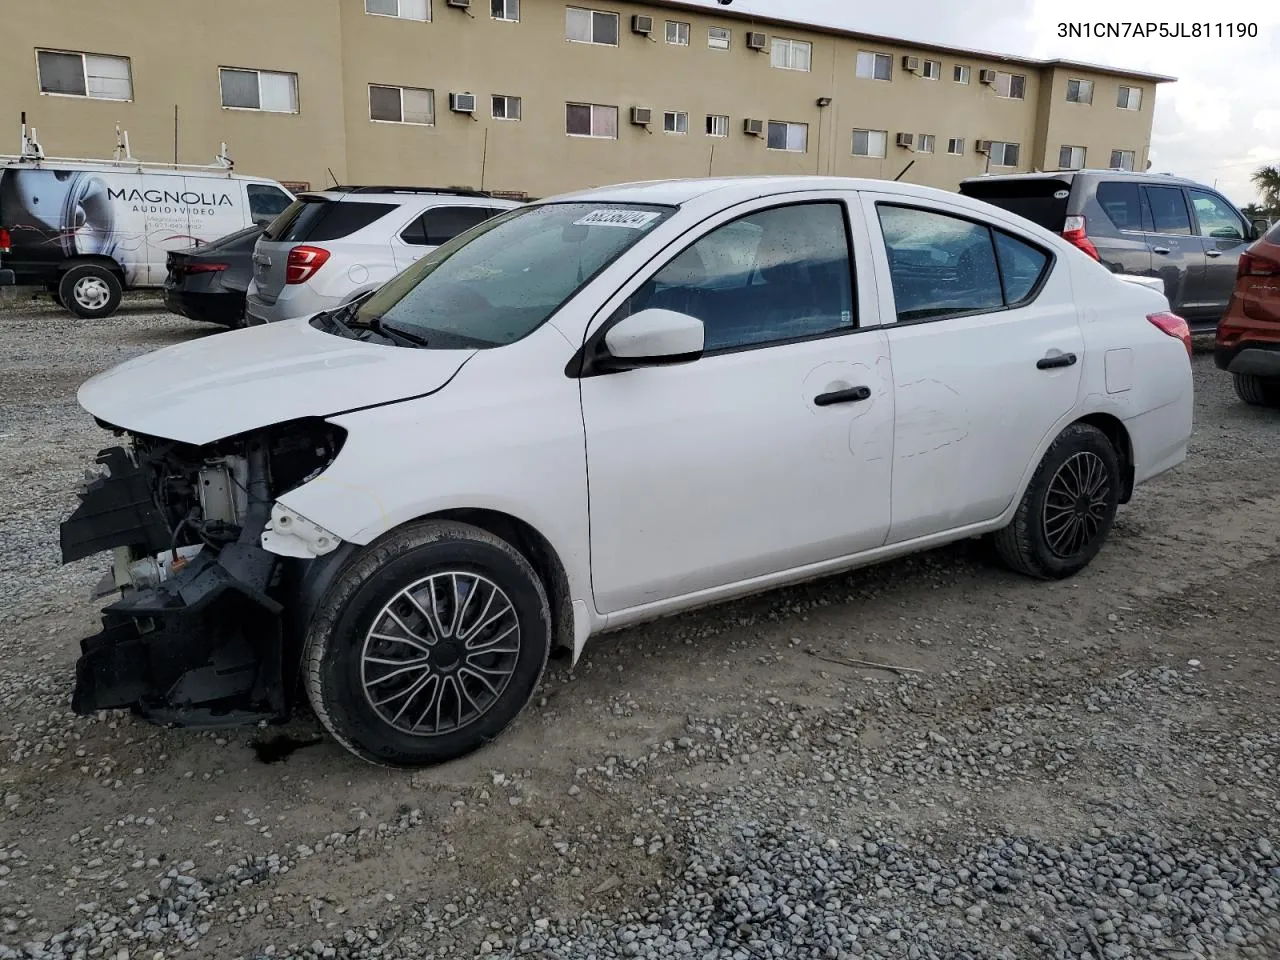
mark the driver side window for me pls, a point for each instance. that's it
(772, 276)
(1215, 217)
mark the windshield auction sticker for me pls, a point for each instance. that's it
(634, 219)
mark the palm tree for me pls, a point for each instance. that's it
(1267, 180)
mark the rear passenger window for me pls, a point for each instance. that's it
(1021, 267)
(1120, 202)
(441, 224)
(939, 265)
(769, 277)
(1168, 210)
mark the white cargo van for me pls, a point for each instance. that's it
(86, 230)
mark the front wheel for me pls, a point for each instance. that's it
(1256, 391)
(90, 291)
(1068, 509)
(428, 645)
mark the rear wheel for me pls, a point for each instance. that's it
(90, 291)
(1258, 391)
(428, 645)
(1068, 509)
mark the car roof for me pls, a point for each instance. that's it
(729, 190)
(1145, 176)
(396, 194)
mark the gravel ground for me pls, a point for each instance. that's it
(1079, 769)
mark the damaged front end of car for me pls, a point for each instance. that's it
(200, 635)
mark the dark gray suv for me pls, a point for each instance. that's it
(1147, 224)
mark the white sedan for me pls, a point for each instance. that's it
(595, 410)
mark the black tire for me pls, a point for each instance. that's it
(1258, 391)
(1059, 542)
(89, 291)
(359, 600)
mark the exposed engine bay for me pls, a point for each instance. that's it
(201, 634)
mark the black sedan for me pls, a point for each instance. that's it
(208, 283)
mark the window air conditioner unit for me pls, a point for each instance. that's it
(983, 146)
(986, 76)
(642, 25)
(906, 140)
(911, 64)
(757, 41)
(459, 4)
(462, 102)
(753, 128)
(642, 116)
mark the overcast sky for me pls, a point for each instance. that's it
(1220, 121)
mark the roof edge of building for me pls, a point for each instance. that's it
(764, 19)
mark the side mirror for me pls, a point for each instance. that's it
(1258, 228)
(653, 338)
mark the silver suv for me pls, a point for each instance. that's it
(330, 247)
(1143, 224)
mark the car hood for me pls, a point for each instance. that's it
(222, 385)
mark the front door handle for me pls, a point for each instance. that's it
(852, 395)
(1213, 253)
(1161, 250)
(1058, 360)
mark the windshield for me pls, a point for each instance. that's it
(1041, 200)
(501, 280)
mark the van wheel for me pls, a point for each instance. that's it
(1068, 509)
(90, 291)
(1257, 391)
(428, 645)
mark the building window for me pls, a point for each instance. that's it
(1011, 86)
(1080, 91)
(925, 143)
(719, 38)
(678, 33)
(591, 120)
(259, 90)
(791, 54)
(1004, 154)
(870, 143)
(1070, 158)
(506, 108)
(404, 9)
(717, 125)
(401, 104)
(955, 146)
(1122, 159)
(1130, 98)
(506, 10)
(931, 69)
(788, 136)
(874, 66)
(84, 75)
(675, 121)
(960, 73)
(591, 26)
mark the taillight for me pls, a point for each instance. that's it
(199, 267)
(1253, 265)
(1073, 232)
(303, 262)
(4, 240)
(1174, 326)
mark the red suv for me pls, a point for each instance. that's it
(1248, 344)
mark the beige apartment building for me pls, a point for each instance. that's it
(538, 97)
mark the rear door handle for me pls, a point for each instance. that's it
(1161, 250)
(1059, 360)
(852, 395)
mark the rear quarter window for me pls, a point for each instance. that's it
(1122, 205)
